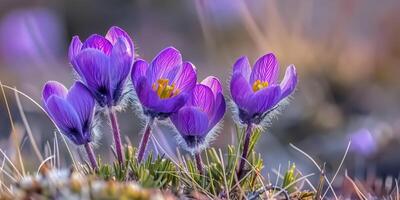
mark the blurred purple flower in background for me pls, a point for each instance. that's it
(257, 91)
(31, 36)
(204, 109)
(104, 63)
(362, 142)
(163, 86)
(72, 111)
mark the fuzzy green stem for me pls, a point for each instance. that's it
(91, 156)
(199, 162)
(245, 152)
(145, 140)
(116, 134)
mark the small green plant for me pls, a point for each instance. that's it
(290, 178)
(218, 178)
(158, 172)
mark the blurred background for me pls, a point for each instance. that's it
(347, 53)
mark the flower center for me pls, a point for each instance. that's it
(258, 85)
(164, 90)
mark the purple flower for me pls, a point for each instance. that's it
(203, 110)
(72, 111)
(256, 90)
(163, 85)
(363, 142)
(30, 37)
(103, 63)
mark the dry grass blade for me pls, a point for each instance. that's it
(237, 184)
(3, 171)
(11, 163)
(321, 183)
(339, 167)
(13, 133)
(44, 111)
(307, 181)
(319, 168)
(195, 185)
(9, 192)
(223, 171)
(57, 150)
(278, 175)
(161, 139)
(358, 191)
(164, 151)
(397, 189)
(27, 127)
(43, 163)
(291, 184)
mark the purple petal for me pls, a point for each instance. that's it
(138, 70)
(83, 102)
(203, 98)
(115, 33)
(93, 66)
(190, 121)
(172, 104)
(213, 83)
(263, 100)
(74, 48)
(265, 69)
(98, 42)
(242, 65)
(289, 82)
(187, 78)
(120, 66)
(149, 99)
(53, 88)
(363, 142)
(64, 116)
(165, 65)
(240, 89)
(219, 110)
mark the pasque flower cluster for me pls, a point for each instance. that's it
(165, 88)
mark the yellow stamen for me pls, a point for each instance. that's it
(163, 89)
(258, 85)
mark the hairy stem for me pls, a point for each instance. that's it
(116, 134)
(199, 162)
(245, 152)
(145, 140)
(91, 156)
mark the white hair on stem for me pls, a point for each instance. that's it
(210, 137)
(96, 132)
(275, 112)
(271, 115)
(126, 96)
(138, 108)
(235, 112)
